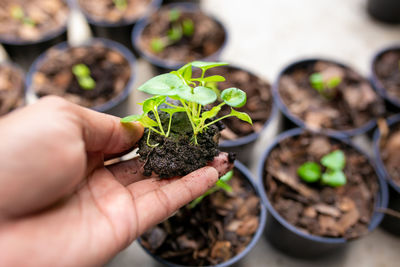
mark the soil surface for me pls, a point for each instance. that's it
(107, 11)
(207, 38)
(46, 16)
(354, 105)
(214, 231)
(387, 69)
(313, 208)
(258, 106)
(390, 147)
(109, 69)
(177, 155)
(11, 88)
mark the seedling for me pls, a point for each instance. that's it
(18, 13)
(82, 74)
(121, 4)
(178, 29)
(221, 184)
(192, 95)
(334, 163)
(325, 88)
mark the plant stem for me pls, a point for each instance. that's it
(158, 121)
(169, 124)
(210, 123)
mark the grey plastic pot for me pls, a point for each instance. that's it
(389, 223)
(163, 65)
(288, 238)
(117, 105)
(236, 259)
(300, 123)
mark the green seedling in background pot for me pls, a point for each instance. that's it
(82, 74)
(178, 29)
(334, 176)
(17, 12)
(189, 95)
(120, 4)
(221, 184)
(325, 88)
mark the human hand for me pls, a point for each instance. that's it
(59, 204)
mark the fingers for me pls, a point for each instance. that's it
(159, 204)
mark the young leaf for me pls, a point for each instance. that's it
(131, 118)
(164, 84)
(186, 71)
(188, 27)
(317, 81)
(146, 121)
(86, 83)
(121, 4)
(172, 111)
(174, 14)
(152, 103)
(157, 45)
(207, 65)
(310, 172)
(333, 82)
(174, 34)
(334, 178)
(234, 97)
(211, 113)
(241, 115)
(80, 70)
(214, 78)
(223, 185)
(335, 160)
(227, 176)
(201, 95)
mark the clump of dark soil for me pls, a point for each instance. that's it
(354, 105)
(107, 11)
(11, 88)
(47, 17)
(387, 69)
(177, 155)
(109, 68)
(214, 231)
(258, 105)
(316, 209)
(207, 38)
(389, 148)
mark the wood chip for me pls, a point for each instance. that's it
(327, 210)
(346, 204)
(310, 212)
(221, 250)
(348, 220)
(248, 226)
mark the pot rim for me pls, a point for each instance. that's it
(393, 120)
(263, 216)
(126, 53)
(376, 84)
(380, 202)
(170, 64)
(369, 125)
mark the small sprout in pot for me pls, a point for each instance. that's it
(82, 74)
(120, 4)
(326, 88)
(179, 28)
(334, 176)
(18, 13)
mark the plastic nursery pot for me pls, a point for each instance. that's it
(118, 104)
(384, 10)
(298, 243)
(23, 52)
(243, 145)
(389, 223)
(392, 102)
(299, 122)
(119, 31)
(237, 258)
(165, 65)
(12, 87)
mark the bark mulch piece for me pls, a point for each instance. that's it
(389, 148)
(11, 88)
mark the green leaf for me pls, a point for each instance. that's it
(207, 65)
(224, 186)
(157, 45)
(234, 97)
(164, 84)
(214, 78)
(211, 113)
(152, 103)
(171, 111)
(121, 4)
(201, 95)
(310, 172)
(334, 82)
(241, 115)
(335, 160)
(334, 178)
(227, 176)
(186, 71)
(87, 83)
(146, 121)
(188, 27)
(80, 70)
(17, 12)
(317, 81)
(131, 118)
(174, 34)
(174, 14)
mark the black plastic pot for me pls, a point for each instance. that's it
(294, 120)
(384, 10)
(119, 31)
(288, 238)
(392, 103)
(236, 259)
(389, 223)
(117, 105)
(163, 65)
